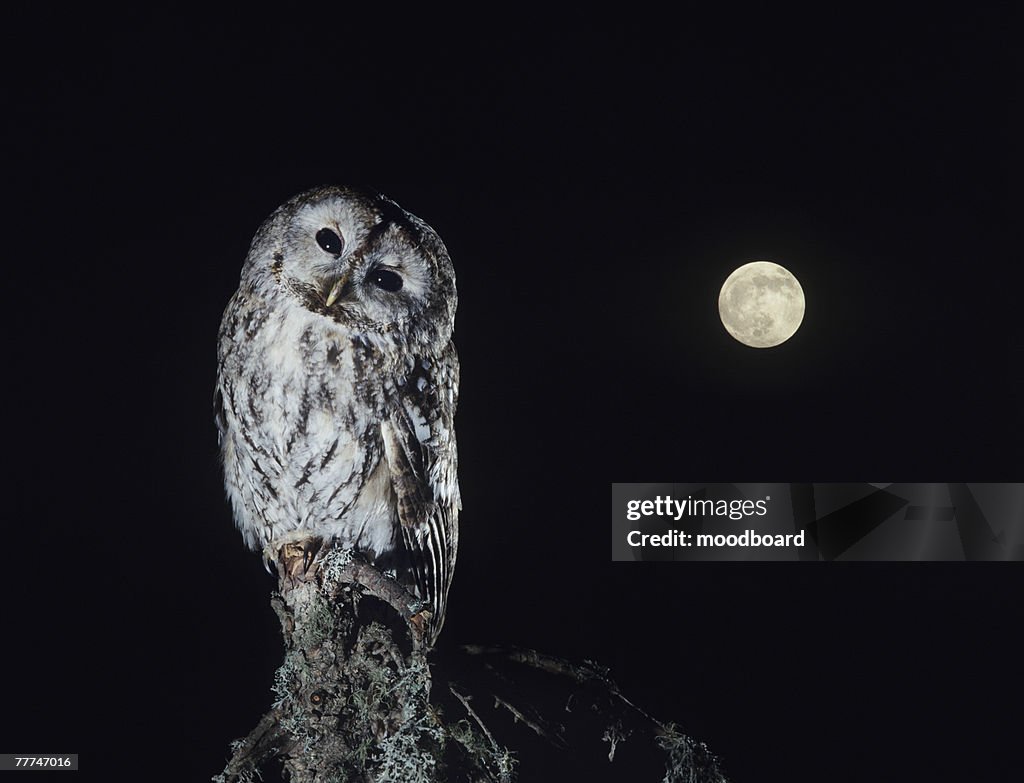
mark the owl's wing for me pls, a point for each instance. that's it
(420, 448)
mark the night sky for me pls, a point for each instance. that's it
(595, 181)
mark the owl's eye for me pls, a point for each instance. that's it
(329, 241)
(386, 280)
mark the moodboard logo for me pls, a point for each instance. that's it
(834, 521)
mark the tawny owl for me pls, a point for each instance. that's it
(337, 382)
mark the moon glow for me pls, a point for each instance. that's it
(761, 304)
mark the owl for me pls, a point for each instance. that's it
(337, 383)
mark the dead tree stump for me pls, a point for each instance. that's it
(352, 697)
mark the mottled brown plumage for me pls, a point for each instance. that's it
(337, 385)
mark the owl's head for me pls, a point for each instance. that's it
(357, 258)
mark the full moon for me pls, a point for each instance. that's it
(761, 304)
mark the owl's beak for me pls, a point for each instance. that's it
(336, 289)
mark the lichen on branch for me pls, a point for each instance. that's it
(352, 696)
(352, 699)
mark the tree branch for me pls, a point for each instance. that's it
(352, 697)
(353, 694)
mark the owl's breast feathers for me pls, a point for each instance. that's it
(320, 432)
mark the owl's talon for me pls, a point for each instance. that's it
(420, 620)
(309, 554)
(294, 552)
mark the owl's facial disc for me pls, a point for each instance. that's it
(359, 263)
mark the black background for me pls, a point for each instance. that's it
(595, 180)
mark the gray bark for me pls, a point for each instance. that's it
(353, 695)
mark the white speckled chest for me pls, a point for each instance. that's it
(304, 445)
